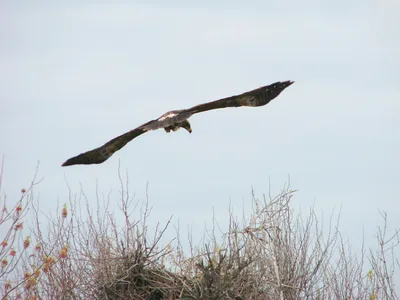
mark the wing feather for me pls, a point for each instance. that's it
(258, 97)
(101, 154)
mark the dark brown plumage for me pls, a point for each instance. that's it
(175, 119)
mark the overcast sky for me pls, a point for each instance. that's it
(74, 76)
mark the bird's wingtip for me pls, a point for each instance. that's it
(285, 84)
(71, 161)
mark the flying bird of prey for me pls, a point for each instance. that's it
(175, 119)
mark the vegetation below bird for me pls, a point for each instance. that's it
(274, 253)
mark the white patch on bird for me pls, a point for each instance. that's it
(170, 115)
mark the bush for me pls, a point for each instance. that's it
(275, 254)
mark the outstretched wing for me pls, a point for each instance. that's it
(101, 154)
(257, 97)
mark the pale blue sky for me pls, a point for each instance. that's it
(74, 76)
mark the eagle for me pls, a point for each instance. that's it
(175, 119)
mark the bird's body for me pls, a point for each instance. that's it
(175, 119)
(171, 120)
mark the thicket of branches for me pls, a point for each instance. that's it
(274, 254)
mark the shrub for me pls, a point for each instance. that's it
(274, 254)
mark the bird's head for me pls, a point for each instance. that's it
(185, 124)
